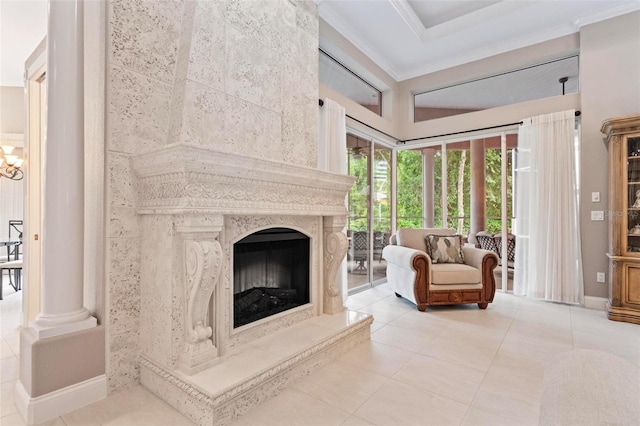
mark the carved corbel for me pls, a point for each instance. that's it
(203, 267)
(335, 250)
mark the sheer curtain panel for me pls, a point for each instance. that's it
(332, 149)
(548, 256)
(332, 155)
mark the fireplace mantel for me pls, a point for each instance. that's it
(183, 178)
(194, 203)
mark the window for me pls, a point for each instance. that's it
(459, 187)
(434, 185)
(535, 82)
(410, 189)
(341, 79)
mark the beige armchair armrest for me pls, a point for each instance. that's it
(408, 273)
(402, 256)
(475, 256)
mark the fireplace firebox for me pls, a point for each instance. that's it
(270, 274)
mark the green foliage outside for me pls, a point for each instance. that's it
(409, 198)
(410, 192)
(359, 193)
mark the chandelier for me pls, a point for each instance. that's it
(10, 164)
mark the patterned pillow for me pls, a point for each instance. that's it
(444, 248)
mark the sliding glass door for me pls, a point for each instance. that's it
(369, 203)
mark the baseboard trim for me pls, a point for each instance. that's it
(599, 303)
(46, 407)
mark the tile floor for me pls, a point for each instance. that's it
(447, 366)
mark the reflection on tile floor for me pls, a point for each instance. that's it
(446, 366)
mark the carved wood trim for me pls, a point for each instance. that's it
(421, 284)
(624, 285)
(489, 263)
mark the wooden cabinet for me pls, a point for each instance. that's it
(623, 139)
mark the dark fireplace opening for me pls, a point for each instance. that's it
(270, 274)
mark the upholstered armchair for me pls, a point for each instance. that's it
(460, 275)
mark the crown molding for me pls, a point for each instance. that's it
(496, 49)
(464, 23)
(473, 19)
(607, 13)
(345, 30)
(409, 16)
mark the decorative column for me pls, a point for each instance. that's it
(203, 259)
(335, 250)
(428, 206)
(478, 215)
(62, 305)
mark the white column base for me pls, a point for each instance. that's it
(43, 332)
(46, 407)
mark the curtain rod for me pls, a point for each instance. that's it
(321, 103)
(399, 141)
(577, 113)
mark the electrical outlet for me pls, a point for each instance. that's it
(597, 215)
(600, 277)
(595, 197)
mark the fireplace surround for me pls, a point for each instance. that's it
(198, 208)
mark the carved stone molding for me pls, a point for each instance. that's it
(184, 177)
(203, 266)
(335, 250)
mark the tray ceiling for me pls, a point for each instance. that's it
(409, 38)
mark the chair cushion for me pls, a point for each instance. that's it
(444, 248)
(454, 273)
(414, 237)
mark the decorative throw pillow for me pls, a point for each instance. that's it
(444, 248)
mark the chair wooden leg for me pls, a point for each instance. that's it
(483, 305)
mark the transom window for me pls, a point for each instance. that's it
(341, 79)
(554, 78)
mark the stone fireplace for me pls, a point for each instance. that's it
(212, 136)
(213, 223)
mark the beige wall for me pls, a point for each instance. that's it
(610, 87)
(424, 114)
(12, 112)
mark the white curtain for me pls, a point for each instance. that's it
(548, 256)
(332, 149)
(332, 156)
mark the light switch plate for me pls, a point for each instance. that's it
(597, 215)
(595, 197)
(600, 277)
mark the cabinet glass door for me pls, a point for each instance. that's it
(633, 195)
